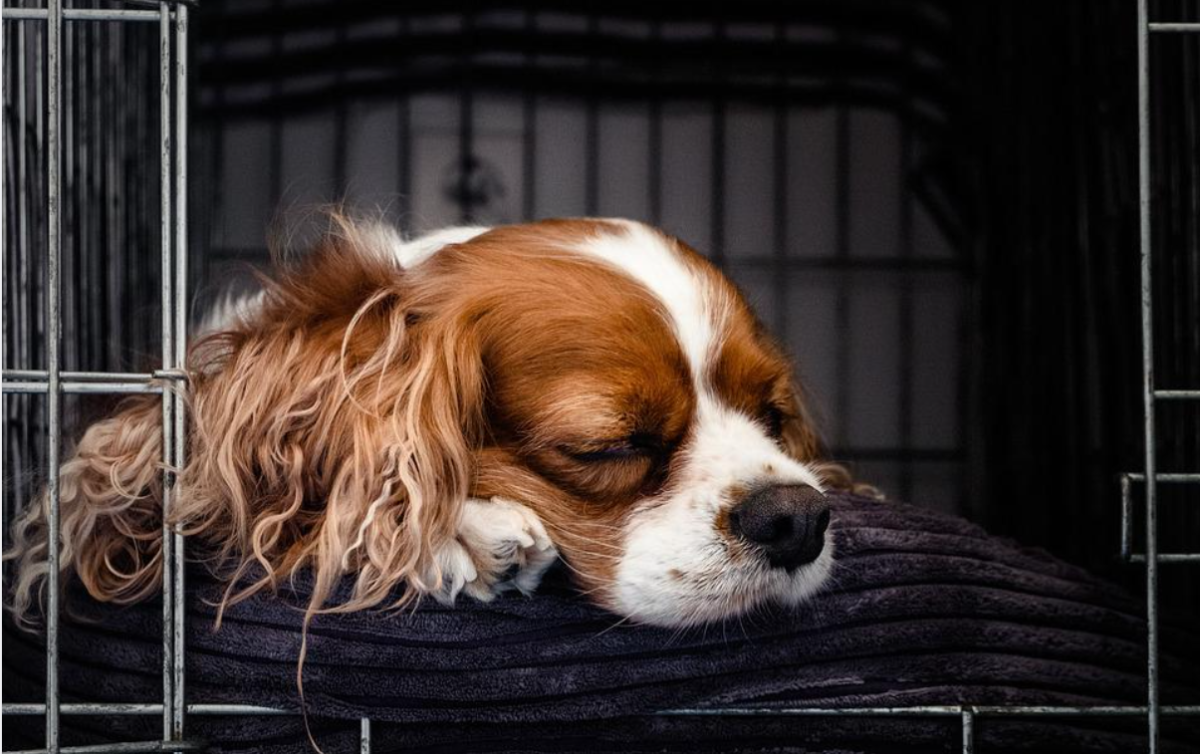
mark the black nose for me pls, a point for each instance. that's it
(786, 522)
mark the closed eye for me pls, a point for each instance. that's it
(635, 446)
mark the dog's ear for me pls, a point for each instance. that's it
(802, 441)
(335, 430)
(799, 432)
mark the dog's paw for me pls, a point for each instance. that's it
(501, 545)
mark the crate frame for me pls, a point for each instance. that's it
(170, 382)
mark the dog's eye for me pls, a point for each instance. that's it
(635, 446)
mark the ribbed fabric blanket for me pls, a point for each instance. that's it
(923, 608)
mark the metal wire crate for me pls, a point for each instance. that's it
(35, 129)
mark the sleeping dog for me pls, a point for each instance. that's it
(452, 414)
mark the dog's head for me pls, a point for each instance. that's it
(600, 372)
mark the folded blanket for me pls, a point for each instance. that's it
(923, 608)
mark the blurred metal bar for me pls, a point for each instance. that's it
(54, 72)
(467, 163)
(718, 145)
(935, 710)
(1126, 512)
(655, 136)
(179, 361)
(591, 139)
(1177, 395)
(217, 710)
(364, 736)
(529, 132)
(968, 731)
(340, 116)
(80, 14)
(404, 170)
(1186, 28)
(1143, 79)
(907, 306)
(1168, 558)
(1188, 478)
(779, 241)
(24, 329)
(135, 747)
(85, 709)
(928, 710)
(842, 258)
(123, 709)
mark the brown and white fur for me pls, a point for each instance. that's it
(452, 414)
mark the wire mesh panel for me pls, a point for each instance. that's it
(826, 196)
(95, 97)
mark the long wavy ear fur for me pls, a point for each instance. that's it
(110, 514)
(332, 430)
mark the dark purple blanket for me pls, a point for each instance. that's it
(924, 609)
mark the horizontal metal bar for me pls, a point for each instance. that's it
(39, 374)
(1177, 395)
(1168, 478)
(934, 711)
(85, 709)
(233, 710)
(1167, 557)
(156, 708)
(83, 388)
(1177, 28)
(789, 263)
(134, 747)
(80, 14)
(215, 710)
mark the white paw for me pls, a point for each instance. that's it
(501, 545)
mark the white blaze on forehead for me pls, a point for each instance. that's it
(694, 307)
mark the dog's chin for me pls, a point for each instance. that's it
(675, 599)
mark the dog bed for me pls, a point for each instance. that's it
(923, 609)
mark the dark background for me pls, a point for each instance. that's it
(933, 204)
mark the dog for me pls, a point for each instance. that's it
(454, 413)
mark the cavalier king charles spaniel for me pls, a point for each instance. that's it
(454, 413)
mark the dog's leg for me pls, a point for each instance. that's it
(501, 545)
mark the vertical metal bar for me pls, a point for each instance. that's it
(5, 139)
(529, 128)
(166, 283)
(364, 736)
(718, 143)
(404, 171)
(115, 269)
(1126, 514)
(24, 331)
(275, 133)
(655, 136)
(968, 731)
(1143, 55)
(842, 223)
(466, 124)
(907, 317)
(54, 25)
(779, 276)
(179, 303)
(592, 125)
(340, 117)
(69, 211)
